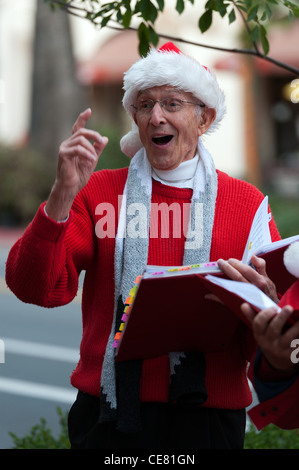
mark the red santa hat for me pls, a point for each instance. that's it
(291, 262)
(169, 66)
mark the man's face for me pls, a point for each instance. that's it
(170, 138)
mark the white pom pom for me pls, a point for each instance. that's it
(291, 259)
(131, 143)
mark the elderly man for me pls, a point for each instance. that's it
(182, 400)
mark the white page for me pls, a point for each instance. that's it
(249, 292)
(167, 271)
(259, 234)
(278, 244)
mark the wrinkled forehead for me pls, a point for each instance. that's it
(164, 91)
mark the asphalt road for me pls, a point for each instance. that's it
(39, 349)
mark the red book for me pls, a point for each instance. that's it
(171, 313)
(168, 313)
(276, 270)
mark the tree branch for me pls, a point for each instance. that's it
(68, 7)
(246, 25)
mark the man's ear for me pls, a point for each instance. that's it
(207, 117)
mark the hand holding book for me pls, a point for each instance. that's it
(238, 271)
(275, 333)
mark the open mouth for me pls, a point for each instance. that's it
(162, 140)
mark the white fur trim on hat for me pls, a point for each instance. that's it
(291, 259)
(131, 143)
(169, 67)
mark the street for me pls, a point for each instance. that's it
(40, 348)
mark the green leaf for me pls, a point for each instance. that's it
(160, 4)
(147, 9)
(103, 10)
(255, 34)
(126, 19)
(264, 16)
(264, 40)
(244, 9)
(105, 20)
(252, 14)
(205, 21)
(144, 39)
(211, 5)
(154, 38)
(180, 5)
(292, 6)
(268, 11)
(119, 16)
(221, 7)
(232, 16)
(291, 15)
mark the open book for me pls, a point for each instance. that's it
(168, 308)
(172, 313)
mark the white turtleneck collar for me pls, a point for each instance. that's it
(180, 177)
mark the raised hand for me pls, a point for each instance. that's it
(77, 159)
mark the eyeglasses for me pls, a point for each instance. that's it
(171, 105)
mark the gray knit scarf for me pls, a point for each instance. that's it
(120, 381)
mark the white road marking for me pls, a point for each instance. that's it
(3, 287)
(40, 350)
(36, 390)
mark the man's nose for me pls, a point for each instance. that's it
(157, 114)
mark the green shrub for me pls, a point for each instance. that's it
(271, 437)
(286, 214)
(40, 436)
(26, 179)
(112, 156)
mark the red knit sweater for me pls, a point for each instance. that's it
(44, 265)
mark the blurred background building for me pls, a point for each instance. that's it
(53, 65)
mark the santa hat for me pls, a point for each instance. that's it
(291, 262)
(169, 66)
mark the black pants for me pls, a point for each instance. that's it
(165, 426)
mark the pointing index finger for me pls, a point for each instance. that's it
(82, 120)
